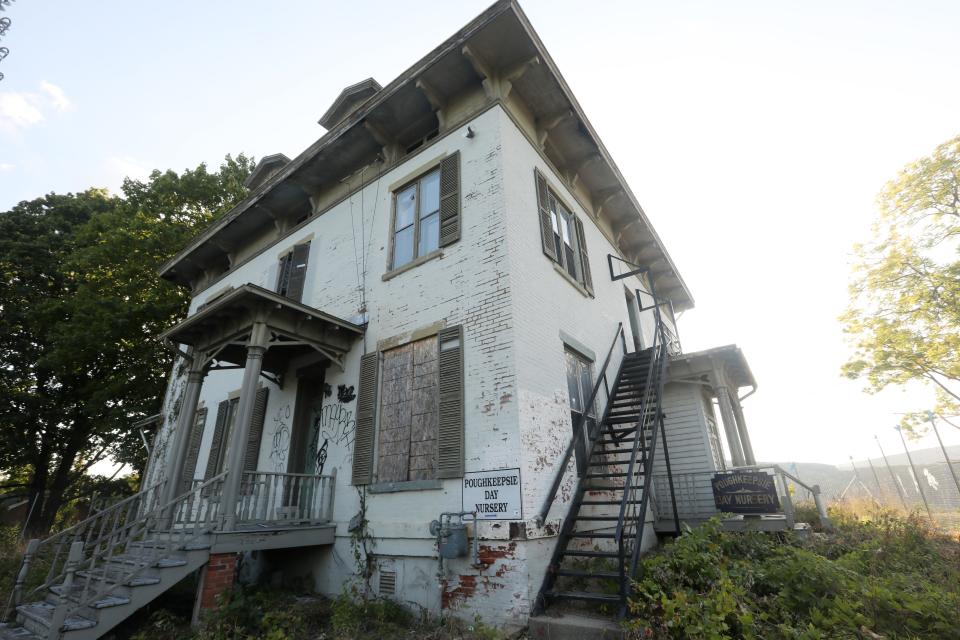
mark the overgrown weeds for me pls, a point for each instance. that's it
(879, 577)
(247, 613)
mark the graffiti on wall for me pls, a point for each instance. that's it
(333, 424)
(281, 438)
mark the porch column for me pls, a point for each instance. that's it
(742, 430)
(256, 347)
(729, 421)
(177, 451)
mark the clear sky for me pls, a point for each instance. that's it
(755, 133)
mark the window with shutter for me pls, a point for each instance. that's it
(426, 213)
(450, 427)
(252, 453)
(561, 235)
(213, 457)
(366, 415)
(193, 452)
(293, 272)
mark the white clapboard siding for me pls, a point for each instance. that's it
(689, 446)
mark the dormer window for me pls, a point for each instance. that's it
(293, 272)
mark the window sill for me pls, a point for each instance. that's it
(416, 262)
(576, 285)
(410, 485)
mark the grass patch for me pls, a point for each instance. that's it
(880, 576)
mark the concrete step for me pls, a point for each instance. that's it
(574, 626)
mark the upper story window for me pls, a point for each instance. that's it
(426, 213)
(293, 272)
(562, 235)
(417, 220)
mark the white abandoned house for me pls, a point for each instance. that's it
(449, 308)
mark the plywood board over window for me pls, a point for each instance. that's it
(408, 424)
(419, 395)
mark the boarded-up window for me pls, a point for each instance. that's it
(293, 272)
(407, 448)
(562, 234)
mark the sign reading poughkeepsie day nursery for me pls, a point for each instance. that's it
(745, 492)
(494, 495)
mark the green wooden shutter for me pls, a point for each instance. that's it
(450, 424)
(546, 227)
(223, 410)
(366, 415)
(450, 200)
(298, 271)
(252, 453)
(193, 452)
(584, 256)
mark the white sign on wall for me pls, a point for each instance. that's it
(494, 495)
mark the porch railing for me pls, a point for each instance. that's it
(77, 561)
(292, 498)
(694, 495)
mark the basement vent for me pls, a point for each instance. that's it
(388, 583)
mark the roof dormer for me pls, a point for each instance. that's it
(349, 100)
(266, 168)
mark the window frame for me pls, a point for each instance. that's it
(575, 267)
(416, 255)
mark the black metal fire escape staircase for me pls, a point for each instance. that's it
(598, 549)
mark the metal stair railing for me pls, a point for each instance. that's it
(194, 514)
(45, 562)
(636, 496)
(580, 430)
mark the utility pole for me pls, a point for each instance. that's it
(944, 449)
(893, 477)
(916, 478)
(875, 476)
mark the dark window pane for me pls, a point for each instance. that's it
(573, 382)
(586, 385)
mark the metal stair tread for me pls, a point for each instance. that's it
(590, 534)
(77, 590)
(105, 575)
(42, 612)
(165, 562)
(583, 595)
(9, 632)
(590, 554)
(602, 575)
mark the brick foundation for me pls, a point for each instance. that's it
(219, 575)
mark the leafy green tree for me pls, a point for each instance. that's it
(904, 315)
(82, 305)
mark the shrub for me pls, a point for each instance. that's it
(888, 575)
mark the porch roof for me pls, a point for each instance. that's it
(220, 331)
(697, 363)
